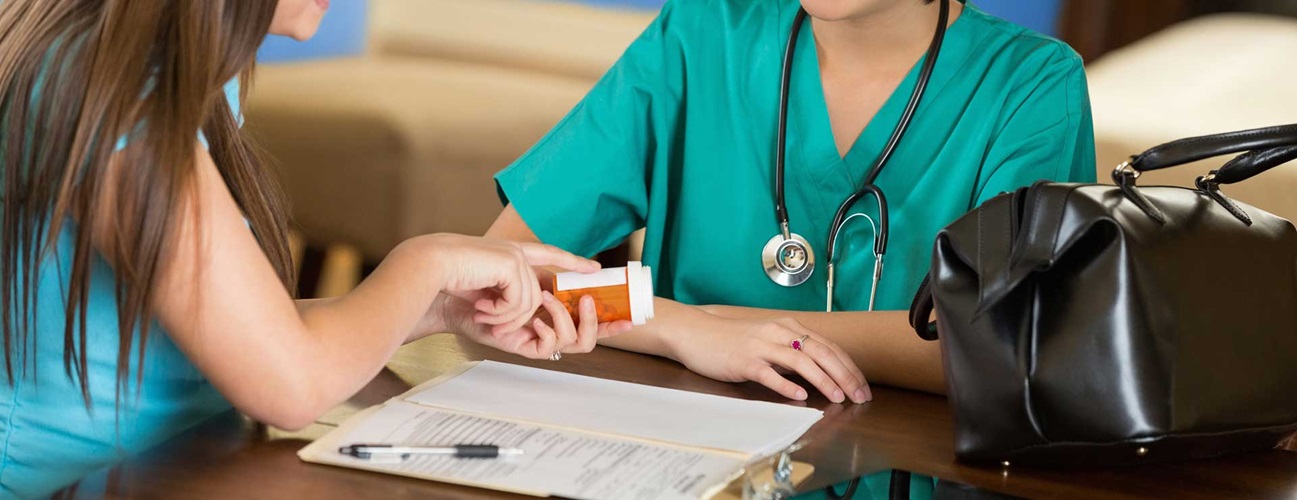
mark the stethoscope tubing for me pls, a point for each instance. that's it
(785, 84)
(868, 187)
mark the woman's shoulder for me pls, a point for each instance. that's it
(711, 32)
(716, 19)
(732, 10)
(1018, 46)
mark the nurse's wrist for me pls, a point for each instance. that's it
(677, 333)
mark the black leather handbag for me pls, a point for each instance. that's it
(1089, 324)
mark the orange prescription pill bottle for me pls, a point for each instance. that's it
(620, 294)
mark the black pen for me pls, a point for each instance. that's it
(369, 451)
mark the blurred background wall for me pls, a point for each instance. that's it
(391, 122)
(342, 33)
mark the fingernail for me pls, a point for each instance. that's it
(860, 396)
(837, 396)
(547, 297)
(801, 394)
(587, 303)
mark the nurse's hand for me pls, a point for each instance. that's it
(739, 350)
(550, 330)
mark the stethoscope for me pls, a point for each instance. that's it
(787, 258)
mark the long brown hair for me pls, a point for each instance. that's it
(76, 75)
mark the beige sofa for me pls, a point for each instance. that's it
(405, 140)
(542, 36)
(1213, 74)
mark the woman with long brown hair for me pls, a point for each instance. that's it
(144, 270)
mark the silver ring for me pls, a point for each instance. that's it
(556, 356)
(798, 344)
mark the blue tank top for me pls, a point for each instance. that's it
(49, 438)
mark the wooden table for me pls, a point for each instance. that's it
(229, 457)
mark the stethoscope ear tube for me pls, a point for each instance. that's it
(925, 75)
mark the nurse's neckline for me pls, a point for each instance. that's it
(857, 131)
(887, 20)
(808, 112)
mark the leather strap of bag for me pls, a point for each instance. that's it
(921, 309)
(1253, 163)
(1199, 148)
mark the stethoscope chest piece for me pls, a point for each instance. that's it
(788, 261)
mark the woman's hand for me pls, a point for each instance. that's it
(551, 330)
(738, 350)
(498, 277)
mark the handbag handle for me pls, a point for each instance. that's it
(1242, 168)
(1251, 164)
(1200, 148)
(921, 310)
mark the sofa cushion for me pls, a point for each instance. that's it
(545, 36)
(1214, 74)
(376, 151)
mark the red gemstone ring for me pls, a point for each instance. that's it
(797, 344)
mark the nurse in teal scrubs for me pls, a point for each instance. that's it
(679, 137)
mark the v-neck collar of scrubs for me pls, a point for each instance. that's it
(810, 121)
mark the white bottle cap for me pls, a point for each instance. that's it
(639, 281)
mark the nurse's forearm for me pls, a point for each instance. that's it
(671, 320)
(881, 343)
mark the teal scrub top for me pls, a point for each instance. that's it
(48, 436)
(679, 138)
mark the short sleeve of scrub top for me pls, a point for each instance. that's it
(593, 169)
(679, 138)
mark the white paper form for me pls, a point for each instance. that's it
(605, 406)
(556, 461)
